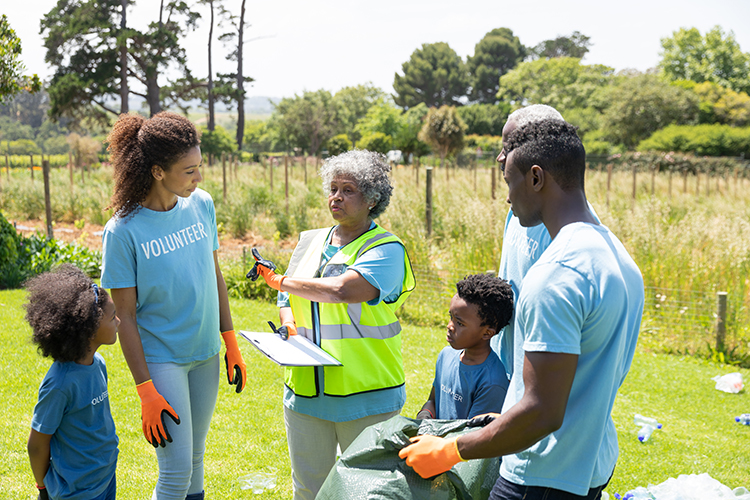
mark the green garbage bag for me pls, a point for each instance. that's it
(371, 469)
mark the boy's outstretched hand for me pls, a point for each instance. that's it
(431, 455)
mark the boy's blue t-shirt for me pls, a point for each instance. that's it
(583, 296)
(73, 407)
(465, 391)
(383, 267)
(168, 257)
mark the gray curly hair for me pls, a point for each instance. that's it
(369, 170)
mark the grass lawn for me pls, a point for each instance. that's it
(247, 432)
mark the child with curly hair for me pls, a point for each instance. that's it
(470, 379)
(72, 446)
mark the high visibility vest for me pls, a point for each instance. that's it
(365, 339)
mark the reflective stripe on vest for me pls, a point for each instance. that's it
(365, 339)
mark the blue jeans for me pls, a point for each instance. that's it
(505, 490)
(191, 389)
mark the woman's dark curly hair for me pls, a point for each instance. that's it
(492, 296)
(64, 312)
(136, 145)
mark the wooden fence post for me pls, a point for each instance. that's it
(304, 167)
(7, 165)
(609, 180)
(416, 170)
(684, 181)
(31, 166)
(47, 202)
(271, 163)
(653, 179)
(493, 174)
(428, 201)
(721, 320)
(635, 186)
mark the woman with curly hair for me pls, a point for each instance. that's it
(341, 290)
(72, 446)
(160, 262)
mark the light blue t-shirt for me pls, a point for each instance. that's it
(522, 247)
(168, 257)
(583, 296)
(73, 407)
(382, 267)
(465, 391)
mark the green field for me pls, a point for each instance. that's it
(247, 432)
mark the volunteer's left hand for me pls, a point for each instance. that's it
(431, 455)
(265, 268)
(236, 370)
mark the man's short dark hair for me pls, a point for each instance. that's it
(555, 146)
(492, 296)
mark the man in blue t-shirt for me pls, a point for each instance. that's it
(469, 377)
(578, 312)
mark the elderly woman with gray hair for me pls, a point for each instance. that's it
(340, 290)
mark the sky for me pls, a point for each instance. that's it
(299, 45)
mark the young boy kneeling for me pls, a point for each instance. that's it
(470, 379)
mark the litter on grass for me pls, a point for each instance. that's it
(687, 487)
(259, 481)
(731, 382)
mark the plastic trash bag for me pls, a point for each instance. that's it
(731, 382)
(371, 469)
(688, 487)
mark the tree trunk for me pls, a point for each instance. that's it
(211, 114)
(152, 92)
(124, 89)
(240, 82)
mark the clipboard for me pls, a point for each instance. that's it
(296, 351)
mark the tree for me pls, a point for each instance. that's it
(307, 121)
(353, 104)
(376, 141)
(484, 119)
(338, 144)
(381, 117)
(495, 54)
(216, 141)
(434, 75)
(407, 138)
(642, 104)
(576, 45)
(443, 130)
(562, 83)
(12, 80)
(719, 104)
(687, 55)
(85, 47)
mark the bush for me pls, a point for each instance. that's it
(709, 140)
(488, 143)
(376, 141)
(22, 258)
(339, 144)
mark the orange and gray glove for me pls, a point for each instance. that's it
(265, 268)
(236, 370)
(286, 329)
(153, 409)
(431, 455)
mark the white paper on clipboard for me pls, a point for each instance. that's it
(297, 351)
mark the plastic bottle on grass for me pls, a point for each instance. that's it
(647, 427)
(641, 420)
(743, 419)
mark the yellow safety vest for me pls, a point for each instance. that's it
(365, 339)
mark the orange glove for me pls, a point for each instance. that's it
(272, 279)
(291, 328)
(431, 455)
(236, 370)
(153, 409)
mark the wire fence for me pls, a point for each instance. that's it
(678, 321)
